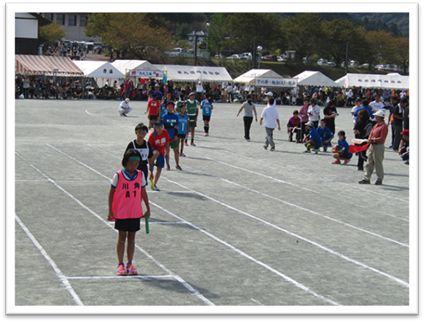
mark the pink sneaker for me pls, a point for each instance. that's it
(131, 270)
(120, 271)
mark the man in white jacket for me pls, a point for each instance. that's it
(272, 119)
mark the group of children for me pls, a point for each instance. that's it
(171, 123)
(321, 137)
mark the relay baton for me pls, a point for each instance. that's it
(151, 182)
(146, 221)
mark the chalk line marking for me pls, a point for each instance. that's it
(120, 277)
(58, 272)
(254, 300)
(185, 284)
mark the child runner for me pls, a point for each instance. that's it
(312, 139)
(192, 111)
(159, 140)
(153, 110)
(170, 121)
(180, 103)
(249, 108)
(127, 191)
(182, 127)
(143, 147)
(207, 108)
(341, 150)
(325, 134)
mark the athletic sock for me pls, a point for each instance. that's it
(207, 129)
(167, 161)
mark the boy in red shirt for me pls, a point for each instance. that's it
(153, 107)
(159, 140)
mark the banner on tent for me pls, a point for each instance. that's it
(144, 73)
(277, 82)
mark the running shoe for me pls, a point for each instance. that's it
(168, 167)
(316, 151)
(131, 270)
(336, 162)
(156, 188)
(272, 149)
(364, 181)
(120, 271)
(182, 154)
(206, 134)
(346, 162)
(186, 143)
(178, 167)
(307, 151)
(193, 144)
(265, 147)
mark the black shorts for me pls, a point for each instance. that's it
(206, 118)
(129, 225)
(153, 118)
(182, 136)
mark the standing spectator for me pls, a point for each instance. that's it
(330, 115)
(26, 85)
(397, 126)
(406, 115)
(313, 113)
(303, 114)
(362, 130)
(354, 108)
(229, 91)
(375, 155)
(377, 104)
(199, 90)
(272, 119)
(249, 109)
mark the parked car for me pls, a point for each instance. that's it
(218, 56)
(353, 64)
(379, 67)
(281, 59)
(177, 51)
(322, 61)
(234, 56)
(246, 56)
(332, 64)
(269, 58)
(364, 66)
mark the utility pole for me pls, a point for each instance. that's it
(347, 57)
(254, 53)
(195, 48)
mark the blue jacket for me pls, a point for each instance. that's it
(325, 133)
(313, 135)
(345, 148)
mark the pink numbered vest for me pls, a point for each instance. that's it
(127, 198)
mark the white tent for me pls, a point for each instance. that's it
(265, 77)
(182, 73)
(126, 65)
(100, 70)
(377, 81)
(314, 78)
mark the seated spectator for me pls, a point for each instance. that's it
(293, 126)
(340, 99)
(404, 146)
(325, 134)
(313, 139)
(341, 150)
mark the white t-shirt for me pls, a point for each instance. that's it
(315, 111)
(270, 115)
(199, 87)
(124, 105)
(377, 105)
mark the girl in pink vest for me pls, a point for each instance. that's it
(128, 190)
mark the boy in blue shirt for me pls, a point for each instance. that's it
(313, 139)
(182, 127)
(341, 150)
(170, 122)
(325, 134)
(207, 107)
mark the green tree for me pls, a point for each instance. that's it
(52, 33)
(380, 46)
(401, 49)
(136, 33)
(303, 32)
(218, 32)
(182, 31)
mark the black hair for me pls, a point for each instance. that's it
(342, 133)
(295, 112)
(365, 102)
(157, 122)
(404, 101)
(141, 126)
(129, 153)
(331, 103)
(271, 101)
(249, 99)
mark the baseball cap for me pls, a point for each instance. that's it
(309, 123)
(379, 113)
(405, 132)
(192, 93)
(270, 93)
(127, 100)
(170, 103)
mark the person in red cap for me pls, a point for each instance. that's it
(404, 146)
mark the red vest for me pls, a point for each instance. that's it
(127, 198)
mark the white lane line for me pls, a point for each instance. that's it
(254, 300)
(120, 277)
(58, 272)
(300, 237)
(309, 174)
(287, 278)
(297, 284)
(188, 286)
(295, 235)
(316, 213)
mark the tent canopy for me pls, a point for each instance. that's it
(314, 78)
(125, 65)
(251, 76)
(181, 73)
(377, 81)
(99, 69)
(46, 65)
